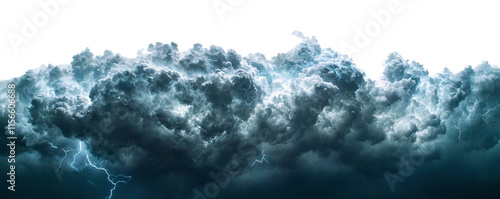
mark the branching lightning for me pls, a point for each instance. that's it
(55, 147)
(113, 179)
(483, 115)
(261, 160)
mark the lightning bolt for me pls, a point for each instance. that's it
(493, 118)
(483, 115)
(261, 160)
(51, 144)
(60, 162)
(55, 147)
(111, 178)
(490, 110)
(89, 180)
(459, 131)
(76, 154)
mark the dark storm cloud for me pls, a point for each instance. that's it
(170, 119)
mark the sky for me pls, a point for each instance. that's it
(451, 34)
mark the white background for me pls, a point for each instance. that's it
(438, 34)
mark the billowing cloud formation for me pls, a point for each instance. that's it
(190, 125)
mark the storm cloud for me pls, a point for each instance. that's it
(172, 119)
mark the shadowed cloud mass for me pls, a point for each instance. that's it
(169, 119)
